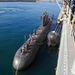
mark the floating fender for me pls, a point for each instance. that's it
(53, 38)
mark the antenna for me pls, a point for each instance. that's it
(58, 4)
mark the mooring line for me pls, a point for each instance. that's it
(16, 73)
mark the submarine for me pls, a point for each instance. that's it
(26, 54)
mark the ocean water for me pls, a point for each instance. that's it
(16, 20)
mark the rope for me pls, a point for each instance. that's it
(58, 28)
(16, 73)
(59, 5)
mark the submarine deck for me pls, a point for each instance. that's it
(66, 58)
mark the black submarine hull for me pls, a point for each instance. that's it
(22, 61)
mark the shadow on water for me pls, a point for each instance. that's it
(45, 62)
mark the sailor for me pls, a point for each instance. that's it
(69, 2)
(73, 27)
(33, 37)
(73, 19)
(73, 10)
(23, 50)
(34, 31)
(74, 24)
(26, 47)
(63, 11)
(29, 41)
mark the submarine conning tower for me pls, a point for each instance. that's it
(45, 19)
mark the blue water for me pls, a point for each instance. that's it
(16, 20)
